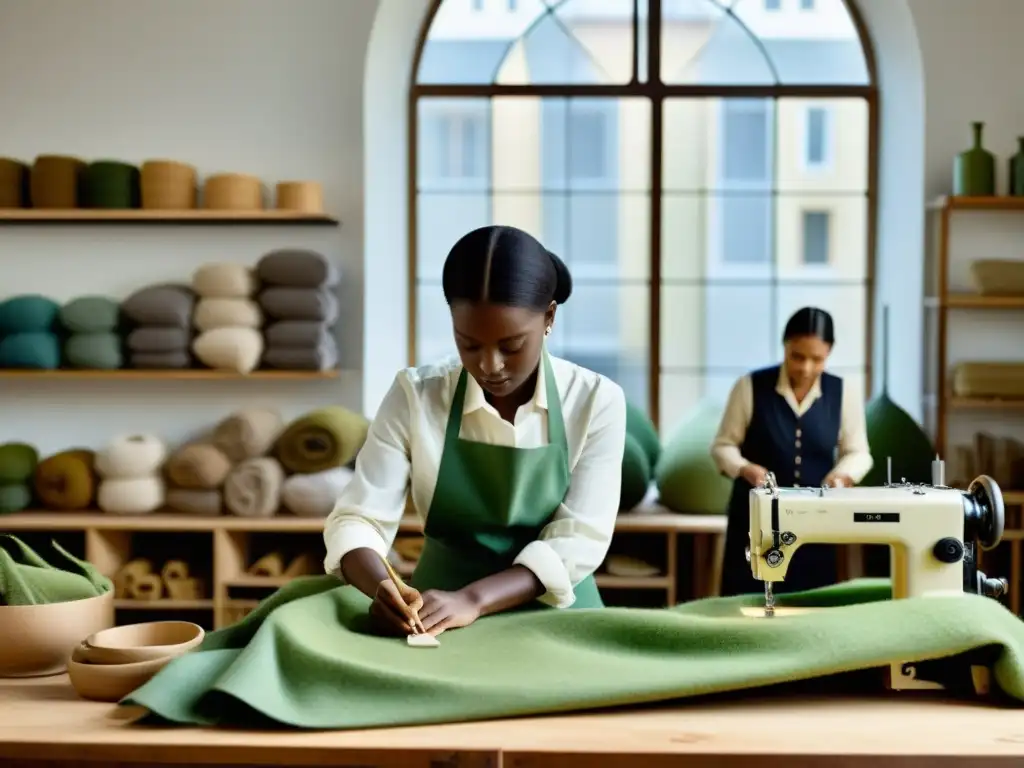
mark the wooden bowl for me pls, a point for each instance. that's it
(142, 642)
(38, 640)
(110, 682)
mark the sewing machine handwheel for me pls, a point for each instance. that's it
(991, 521)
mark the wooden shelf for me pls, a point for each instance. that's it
(984, 403)
(961, 203)
(187, 217)
(977, 301)
(180, 374)
(237, 542)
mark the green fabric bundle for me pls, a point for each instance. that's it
(90, 314)
(93, 343)
(27, 578)
(111, 184)
(322, 439)
(17, 467)
(27, 332)
(687, 478)
(28, 313)
(304, 657)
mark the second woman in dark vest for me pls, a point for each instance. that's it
(800, 423)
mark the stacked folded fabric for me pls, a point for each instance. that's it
(28, 337)
(92, 324)
(17, 464)
(162, 319)
(195, 474)
(130, 470)
(227, 318)
(298, 295)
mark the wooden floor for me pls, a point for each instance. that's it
(42, 723)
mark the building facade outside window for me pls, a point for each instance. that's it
(540, 116)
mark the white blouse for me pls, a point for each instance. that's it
(403, 453)
(854, 454)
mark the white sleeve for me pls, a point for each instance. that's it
(575, 543)
(370, 508)
(732, 431)
(854, 452)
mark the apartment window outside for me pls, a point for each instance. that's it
(817, 237)
(773, 5)
(683, 278)
(806, 5)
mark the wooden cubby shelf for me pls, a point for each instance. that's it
(183, 374)
(223, 549)
(197, 216)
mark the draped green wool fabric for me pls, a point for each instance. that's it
(304, 658)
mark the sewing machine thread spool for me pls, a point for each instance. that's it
(938, 472)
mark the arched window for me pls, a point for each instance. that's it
(704, 167)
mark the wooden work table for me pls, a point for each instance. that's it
(42, 723)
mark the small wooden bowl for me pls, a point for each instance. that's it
(300, 196)
(37, 640)
(233, 192)
(142, 642)
(110, 682)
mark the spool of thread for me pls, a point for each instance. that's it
(938, 472)
(112, 185)
(174, 570)
(233, 192)
(56, 181)
(168, 185)
(300, 196)
(149, 587)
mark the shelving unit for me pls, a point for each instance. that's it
(109, 541)
(142, 216)
(182, 374)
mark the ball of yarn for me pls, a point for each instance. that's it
(314, 495)
(230, 349)
(253, 489)
(131, 456)
(131, 496)
(636, 474)
(198, 466)
(688, 480)
(15, 498)
(17, 463)
(66, 480)
(224, 280)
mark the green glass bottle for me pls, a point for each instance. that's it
(974, 170)
(1017, 170)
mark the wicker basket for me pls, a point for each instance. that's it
(169, 186)
(56, 181)
(997, 380)
(233, 192)
(998, 277)
(300, 196)
(14, 177)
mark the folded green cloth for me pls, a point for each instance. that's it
(304, 658)
(27, 578)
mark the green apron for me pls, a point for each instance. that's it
(492, 500)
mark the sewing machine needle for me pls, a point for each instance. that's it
(769, 600)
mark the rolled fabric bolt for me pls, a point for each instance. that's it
(149, 587)
(174, 570)
(131, 496)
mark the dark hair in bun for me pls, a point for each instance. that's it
(810, 321)
(505, 265)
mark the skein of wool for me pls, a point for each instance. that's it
(131, 470)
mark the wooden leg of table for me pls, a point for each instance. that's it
(672, 567)
(718, 542)
(701, 565)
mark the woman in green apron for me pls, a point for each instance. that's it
(512, 457)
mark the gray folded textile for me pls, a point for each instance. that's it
(298, 333)
(321, 358)
(156, 338)
(319, 304)
(165, 304)
(161, 360)
(298, 269)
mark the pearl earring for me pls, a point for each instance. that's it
(547, 331)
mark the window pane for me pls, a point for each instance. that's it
(568, 42)
(454, 143)
(703, 43)
(441, 219)
(817, 237)
(684, 236)
(742, 229)
(847, 237)
(434, 339)
(834, 160)
(848, 306)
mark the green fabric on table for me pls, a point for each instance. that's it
(36, 350)
(28, 313)
(636, 475)
(321, 440)
(28, 578)
(304, 658)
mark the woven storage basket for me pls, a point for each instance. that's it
(169, 186)
(233, 192)
(14, 175)
(998, 380)
(56, 181)
(998, 277)
(111, 185)
(300, 196)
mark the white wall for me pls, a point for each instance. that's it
(277, 89)
(259, 86)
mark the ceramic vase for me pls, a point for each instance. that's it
(974, 170)
(1017, 170)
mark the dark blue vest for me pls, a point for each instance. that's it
(800, 450)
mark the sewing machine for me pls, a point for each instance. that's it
(933, 532)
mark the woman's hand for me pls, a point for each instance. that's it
(754, 474)
(393, 609)
(447, 610)
(838, 480)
